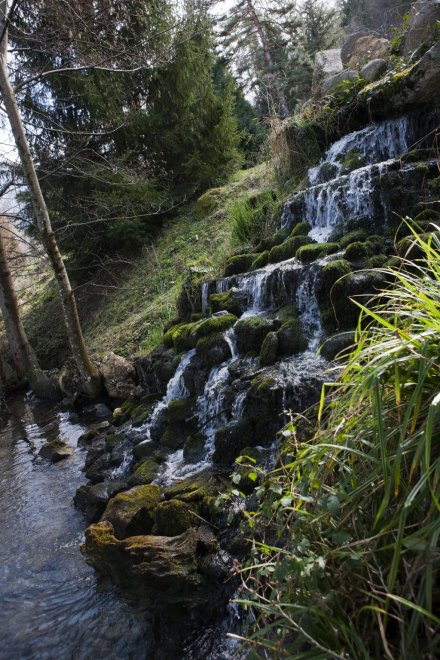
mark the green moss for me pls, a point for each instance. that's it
(269, 349)
(352, 237)
(180, 410)
(329, 275)
(207, 202)
(290, 337)
(286, 312)
(353, 160)
(309, 253)
(276, 239)
(260, 260)
(238, 264)
(174, 436)
(214, 324)
(288, 249)
(435, 183)
(356, 252)
(144, 473)
(225, 302)
(112, 439)
(378, 261)
(194, 447)
(250, 333)
(173, 518)
(263, 384)
(301, 229)
(427, 216)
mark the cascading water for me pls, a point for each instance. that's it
(307, 307)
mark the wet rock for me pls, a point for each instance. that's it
(269, 349)
(338, 345)
(423, 26)
(239, 264)
(101, 410)
(168, 565)
(99, 467)
(156, 369)
(290, 339)
(373, 70)
(119, 376)
(144, 473)
(195, 376)
(194, 447)
(250, 333)
(94, 451)
(329, 85)
(55, 451)
(231, 301)
(213, 349)
(92, 500)
(174, 517)
(143, 449)
(132, 512)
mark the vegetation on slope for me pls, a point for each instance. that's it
(345, 558)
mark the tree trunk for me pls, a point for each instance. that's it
(89, 374)
(24, 358)
(276, 82)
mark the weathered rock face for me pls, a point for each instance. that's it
(366, 48)
(423, 26)
(119, 376)
(415, 86)
(327, 64)
(55, 451)
(373, 70)
(132, 511)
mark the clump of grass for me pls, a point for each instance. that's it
(253, 218)
(355, 573)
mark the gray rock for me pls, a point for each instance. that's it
(422, 25)
(55, 451)
(92, 500)
(101, 410)
(373, 70)
(366, 48)
(331, 83)
(327, 63)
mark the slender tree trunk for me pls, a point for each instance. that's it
(276, 82)
(24, 358)
(88, 372)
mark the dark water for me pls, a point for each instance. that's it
(51, 603)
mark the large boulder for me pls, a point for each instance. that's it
(373, 70)
(327, 63)
(350, 43)
(423, 25)
(55, 451)
(365, 48)
(119, 376)
(329, 85)
(132, 512)
(92, 500)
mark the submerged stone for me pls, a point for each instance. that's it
(55, 451)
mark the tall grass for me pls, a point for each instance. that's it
(345, 542)
(253, 218)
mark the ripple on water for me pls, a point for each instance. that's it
(52, 604)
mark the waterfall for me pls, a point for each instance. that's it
(307, 307)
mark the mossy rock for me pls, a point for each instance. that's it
(180, 410)
(301, 229)
(132, 512)
(194, 489)
(329, 275)
(356, 252)
(285, 313)
(173, 517)
(358, 285)
(276, 239)
(250, 333)
(145, 472)
(179, 337)
(213, 349)
(208, 202)
(194, 447)
(352, 160)
(238, 264)
(260, 260)
(339, 345)
(288, 249)
(174, 436)
(353, 237)
(214, 324)
(143, 449)
(378, 261)
(428, 216)
(225, 301)
(377, 245)
(410, 249)
(308, 253)
(290, 338)
(269, 349)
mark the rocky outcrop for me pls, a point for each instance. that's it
(366, 48)
(119, 376)
(423, 25)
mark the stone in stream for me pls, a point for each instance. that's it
(55, 451)
(119, 376)
(132, 511)
(92, 500)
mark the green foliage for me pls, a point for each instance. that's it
(253, 218)
(345, 559)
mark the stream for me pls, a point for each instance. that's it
(52, 603)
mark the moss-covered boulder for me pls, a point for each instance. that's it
(250, 333)
(358, 285)
(208, 202)
(194, 447)
(288, 249)
(229, 301)
(290, 337)
(92, 500)
(260, 260)
(352, 237)
(143, 449)
(356, 252)
(145, 472)
(213, 349)
(308, 253)
(238, 264)
(269, 349)
(174, 517)
(180, 410)
(329, 274)
(213, 324)
(132, 512)
(301, 229)
(276, 239)
(339, 345)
